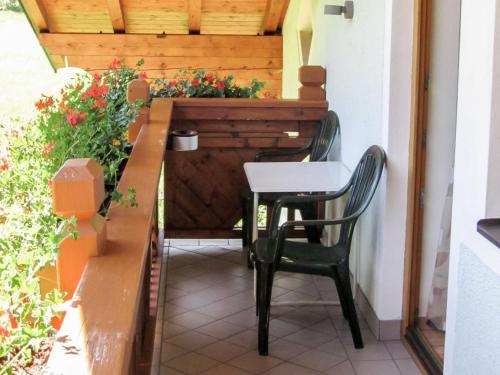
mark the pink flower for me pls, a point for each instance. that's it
(220, 85)
(195, 82)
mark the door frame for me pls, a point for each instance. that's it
(417, 168)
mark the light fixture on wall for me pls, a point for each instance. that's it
(347, 10)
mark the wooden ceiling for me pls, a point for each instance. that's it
(234, 17)
(225, 36)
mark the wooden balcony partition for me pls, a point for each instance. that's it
(203, 187)
(107, 328)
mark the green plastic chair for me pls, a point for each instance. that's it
(317, 149)
(275, 253)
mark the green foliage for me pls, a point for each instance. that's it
(29, 238)
(89, 120)
(12, 5)
(200, 84)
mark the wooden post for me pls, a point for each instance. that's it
(138, 89)
(312, 77)
(78, 191)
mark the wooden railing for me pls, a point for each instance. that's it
(107, 327)
(109, 324)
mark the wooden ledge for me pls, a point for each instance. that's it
(252, 103)
(99, 329)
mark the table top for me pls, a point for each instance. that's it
(278, 177)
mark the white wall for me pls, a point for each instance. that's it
(368, 62)
(477, 122)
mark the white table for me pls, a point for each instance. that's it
(294, 177)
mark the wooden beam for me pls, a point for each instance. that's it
(272, 16)
(116, 15)
(37, 14)
(283, 14)
(194, 13)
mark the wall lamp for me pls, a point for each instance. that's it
(347, 10)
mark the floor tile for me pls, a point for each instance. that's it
(385, 367)
(191, 340)
(397, 350)
(371, 352)
(333, 347)
(255, 363)
(290, 369)
(170, 351)
(246, 318)
(318, 360)
(191, 319)
(213, 242)
(223, 351)
(408, 367)
(220, 329)
(344, 368)
(281, 328)
(165, 370)
(247, 339)
(225, 370)
(285, 350)
(183, 242)
(309, 338)
(171, 329)
(192, 363)
(219, 310)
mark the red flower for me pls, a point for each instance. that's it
(42, 104)
(100, 103)
(4, 332)
(115, 64)
(173, 82)
(220, 85)
(48, 149)
(13, 321)
(209, 78)
(4, 164)
(95, 91)
(73, 118)
(143, 76)
(97, 77)
(195, 82)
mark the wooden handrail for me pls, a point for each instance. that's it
(99, 333)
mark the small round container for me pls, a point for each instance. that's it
(184, 140)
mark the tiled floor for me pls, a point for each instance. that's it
(208, 323)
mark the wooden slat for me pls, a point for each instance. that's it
(141, 44)
(260, 127)
(116, 14)
(102, 62)
(99, 329)
(37, 13)
(194, 11)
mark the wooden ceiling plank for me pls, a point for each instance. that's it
(37, 13)
(194, 12)
(116, 42)
(272, 16)
(116, 15)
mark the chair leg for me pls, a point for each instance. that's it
(341, 295)
(247, 227)
(350, 309)
(308, 212)
(265, 275)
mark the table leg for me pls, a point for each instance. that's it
(255, 235)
